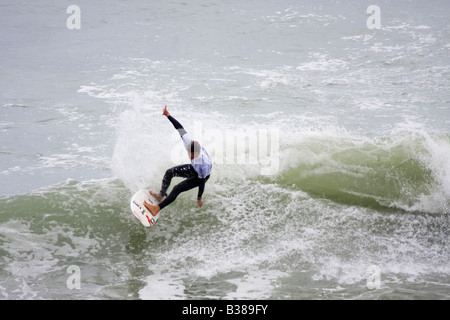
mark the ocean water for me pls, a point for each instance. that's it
(330, 143)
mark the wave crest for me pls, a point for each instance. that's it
(409, 170)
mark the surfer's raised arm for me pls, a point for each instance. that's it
(175, 123)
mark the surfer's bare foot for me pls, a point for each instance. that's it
(153, 209)
(157, 196)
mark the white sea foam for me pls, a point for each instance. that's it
(164, 286)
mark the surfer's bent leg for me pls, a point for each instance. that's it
(183, 171)
(188, 184)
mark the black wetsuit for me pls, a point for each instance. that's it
(196, 173)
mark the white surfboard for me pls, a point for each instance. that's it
(141, 212)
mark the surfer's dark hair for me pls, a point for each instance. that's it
(195, 147)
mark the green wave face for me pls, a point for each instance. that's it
(403, 172)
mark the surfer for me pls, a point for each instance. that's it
(196, 173)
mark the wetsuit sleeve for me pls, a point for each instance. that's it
(177, 126)
(201, 188)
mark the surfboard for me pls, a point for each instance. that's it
(140, 211)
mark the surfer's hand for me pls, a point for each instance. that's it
(165, 112)
(200, 203)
